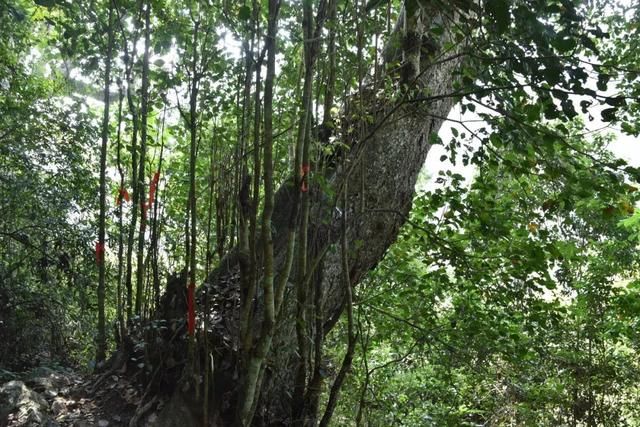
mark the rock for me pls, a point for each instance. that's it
(6, 376)
(58, 406)
(51, 393)
(43, 379)
(103, 423)
(40, 371)
(21, 406)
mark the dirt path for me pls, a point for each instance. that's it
(60, 397)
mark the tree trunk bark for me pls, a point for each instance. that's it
(387, 160)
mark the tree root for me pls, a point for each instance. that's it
(141, 410)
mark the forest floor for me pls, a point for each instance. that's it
(61, 397)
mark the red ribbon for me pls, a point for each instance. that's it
(99, 252)
(191, 309)
(153, 187)
(304, 172)
(122, 194)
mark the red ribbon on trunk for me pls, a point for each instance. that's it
(99, 252)
(304, 172)
(122, 194)
(191, 309)
(153, 187)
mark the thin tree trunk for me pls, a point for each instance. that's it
(257, 357)
(351, 337)
(120, 307)
(208, 259)
(144, 115)
(248, 287)
(314, 388)
(257, 126)
(302, 165)
(155, 233)
(101, 346)
(133, 109)
(193, 128)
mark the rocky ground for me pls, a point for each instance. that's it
(60, 397)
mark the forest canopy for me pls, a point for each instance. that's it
(237, 209)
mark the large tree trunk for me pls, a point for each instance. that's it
(391, 160)
(380, 171)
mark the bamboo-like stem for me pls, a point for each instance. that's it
(256, 359)
(101, 346)
(144, 115)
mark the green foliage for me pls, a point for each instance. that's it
(46, 260)
(509, 300)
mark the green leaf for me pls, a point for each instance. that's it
(608, 114)
(616, 101)
(498, 10)
(603, 80)
(45, 3)
(566, 44)
(532, 112)
(244, 13)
